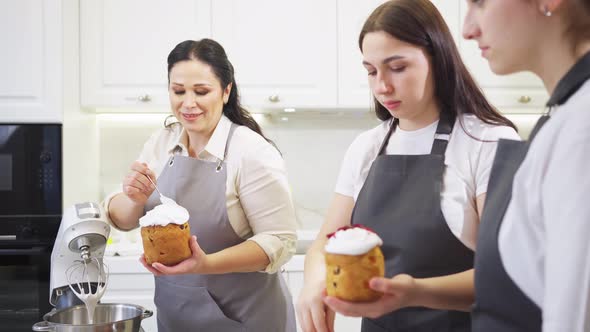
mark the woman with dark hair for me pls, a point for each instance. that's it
(217, 164)
(419, 179)
(532, 268)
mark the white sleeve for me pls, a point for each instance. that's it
(487, 154)
(265, 197)
(566, 213)
(350, 168)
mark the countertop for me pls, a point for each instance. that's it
(129, 243)
(124, 249)
(131, 264)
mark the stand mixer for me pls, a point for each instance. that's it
(79, 276)
(77, 269)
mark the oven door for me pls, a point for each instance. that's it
(24, 286)
(30, 169)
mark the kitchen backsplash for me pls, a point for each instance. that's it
(312, 143)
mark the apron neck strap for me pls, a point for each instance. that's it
(441, 137)
(540, 123)
(392, 125)
(230, 134)
(177, 149)
(443, 133)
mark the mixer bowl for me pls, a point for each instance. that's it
(109, 317)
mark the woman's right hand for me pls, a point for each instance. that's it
(136, 186)
(313, 314)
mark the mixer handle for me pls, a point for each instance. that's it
(146, 313)
(44, 326)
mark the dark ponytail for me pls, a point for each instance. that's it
(212, 53)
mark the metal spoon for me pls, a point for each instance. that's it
(158, 190)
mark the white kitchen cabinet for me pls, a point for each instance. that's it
(286, 54)
(294, 272)
(283, 52)
(125, 45)
(353, 90)
(31, 61)
(521, 90)
(129, 282)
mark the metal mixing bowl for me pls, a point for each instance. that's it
(108, 317)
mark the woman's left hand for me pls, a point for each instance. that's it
(196, 264)
(398, 292)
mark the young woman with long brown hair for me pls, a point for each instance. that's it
(419, 179)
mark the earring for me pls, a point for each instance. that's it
(546, 11)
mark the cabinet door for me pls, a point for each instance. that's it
(31, 61)
(449, 9)
(125, 45)
(132, 288)
(353, 90)
(507, 91)
(283, 52)
(342, 323)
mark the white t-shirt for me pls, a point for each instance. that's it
(544, 240)
(258, 198)
(468, 162)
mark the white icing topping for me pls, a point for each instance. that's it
(166, 213)
(353, 241)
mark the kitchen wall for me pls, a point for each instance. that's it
(312, 143)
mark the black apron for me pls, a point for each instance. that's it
(500, 305)
(400, 200)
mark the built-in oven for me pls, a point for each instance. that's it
(30, 213)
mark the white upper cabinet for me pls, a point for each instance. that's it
(353, 90)
(521, 90)
(31, 61)
(449, 9)
(284, 52)
(125, 45)
(300, 54)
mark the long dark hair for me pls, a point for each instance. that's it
(419, 23)
(212, 53)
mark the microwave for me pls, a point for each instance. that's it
(30, 169)
(30, 214)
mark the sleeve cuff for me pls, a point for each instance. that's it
(278, 248)
(105, 205)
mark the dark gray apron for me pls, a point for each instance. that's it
(400, 200)
(224, 302)
(500, 305)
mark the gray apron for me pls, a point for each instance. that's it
(400, 200)
(229, 302)
(500, 305)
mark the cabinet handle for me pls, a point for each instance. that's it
(524, 99)
(144, 98)
(274, 99)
